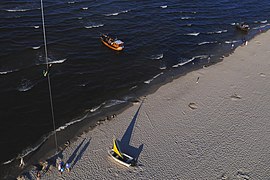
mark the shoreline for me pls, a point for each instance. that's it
(86, 127)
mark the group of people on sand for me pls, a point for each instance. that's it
(62, 166)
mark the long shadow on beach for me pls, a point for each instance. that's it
(125, 146)
(80, 154)
(71, 158)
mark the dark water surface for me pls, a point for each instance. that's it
(88, 77)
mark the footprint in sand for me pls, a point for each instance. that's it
(192, 106)
(235, 97)
(262, 75)
(242, 175)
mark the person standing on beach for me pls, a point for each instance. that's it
(22, 164)
(68, 167)
(38, 175)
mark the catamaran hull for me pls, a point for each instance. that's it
(127, 163)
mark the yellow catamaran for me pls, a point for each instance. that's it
(121, 157)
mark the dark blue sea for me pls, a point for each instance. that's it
(163, 39)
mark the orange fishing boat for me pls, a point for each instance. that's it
(112, 43)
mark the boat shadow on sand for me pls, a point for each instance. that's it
(125, 141)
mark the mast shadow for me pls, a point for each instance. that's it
(125, 141)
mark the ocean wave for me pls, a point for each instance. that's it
(58, 61)
(94, 26)
(96, 108)
(36, 47)
(193, 34)
(232, 41)
(113, 102)
(187, 17)
(17, 10)
(117, 13)
(7, 72)
(217, 32)
(71, 2)
(70, 123)
(262, 26)
(36, 27)
(84, 8)
(190, 60)
(150, 80)
(163, 7)
(207, 42)
(158, 56)
(9, 161)
(25, 85)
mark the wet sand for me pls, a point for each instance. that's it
(212, 123)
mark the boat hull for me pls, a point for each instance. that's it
(128, 160)
(112, 47)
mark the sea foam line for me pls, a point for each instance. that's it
(190, 60)
(150, 80)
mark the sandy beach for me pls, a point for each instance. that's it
(212, 123)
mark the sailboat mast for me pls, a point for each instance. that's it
(48, 76)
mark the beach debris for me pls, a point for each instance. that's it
(244, 175)
(192, 105)
(262, 75)
(197, 81)
(235, 96)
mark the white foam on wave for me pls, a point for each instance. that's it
(25, 85)
(113, 102)
(84, 8)
(70, 123)
(36, 27)
(71, 2)
(94, 26)
(58, 61)
(263, 22)
(150, 80)
(17, 10)
(193, 34)
(117, 13)
(9, 161)
(9, 71)
(217, 32)
(233, 23)
(190, 60)
(207, 42)
(263, 26)
(187, 17)
(158, 56)
(96, 107)
(163, 7)
(231, 42)
(36, 47)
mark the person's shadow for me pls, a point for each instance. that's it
(81, 153)
(124, 142)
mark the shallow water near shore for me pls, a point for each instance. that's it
(87, 77)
